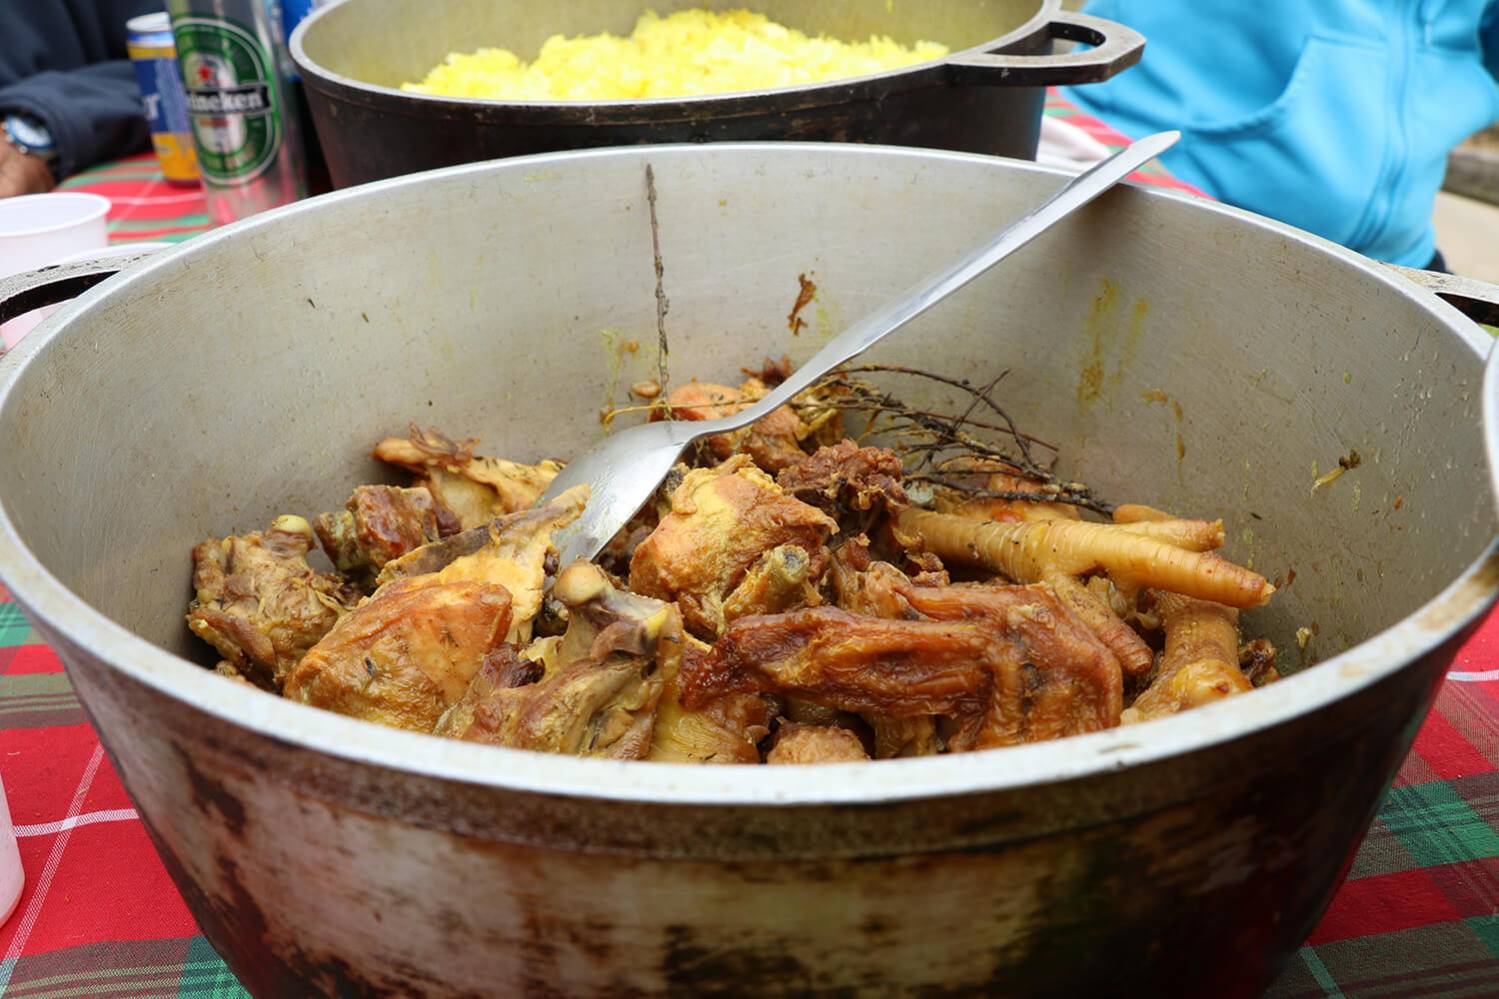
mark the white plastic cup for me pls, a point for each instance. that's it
(12, 877)
(41, 229)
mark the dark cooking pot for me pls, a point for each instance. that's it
(985, 98)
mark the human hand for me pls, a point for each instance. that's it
(21, 173)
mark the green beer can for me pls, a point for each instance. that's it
(247, 127)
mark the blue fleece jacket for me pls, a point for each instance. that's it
(1333, 115)
(64, 62)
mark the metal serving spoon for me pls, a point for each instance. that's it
(624, 471)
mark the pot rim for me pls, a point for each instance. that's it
(728, 104)
(61, 614)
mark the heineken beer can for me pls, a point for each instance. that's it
(148, 39)
(246, 125)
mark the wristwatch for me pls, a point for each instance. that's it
(31, 137)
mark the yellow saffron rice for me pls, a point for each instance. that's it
(686, 54)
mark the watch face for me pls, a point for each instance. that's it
(28, 133)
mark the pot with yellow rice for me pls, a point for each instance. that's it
(397, 86)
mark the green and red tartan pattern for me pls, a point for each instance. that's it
(1418, 915)
(146, 207)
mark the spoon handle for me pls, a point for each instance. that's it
(903, 308)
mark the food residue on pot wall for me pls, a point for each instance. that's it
(1107, 342)
(804, 295)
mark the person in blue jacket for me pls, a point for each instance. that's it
(1335, 116)
(68, 96)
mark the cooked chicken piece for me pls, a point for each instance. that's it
(1257, 660)
(1200, 663)
(1056, 552)
(807, 712)
(1007, 510)
(1010, 664)
(260, 604)
(379, 523)
(407, 654)
(861, 487)
(785, 578)
(403, 656)
(816, 744)
(601, 700)
(722, 520)
(516, 550)
(772, 442)
(227, 670)
(895, 737)
(726, 729)
(863, 586)
(848, 477)
(1098, 613)
(470, 489)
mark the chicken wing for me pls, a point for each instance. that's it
(721, 521)
(378, 524)
(260, 604)
(470, 489)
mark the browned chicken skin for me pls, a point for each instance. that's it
(378, 524)
(407, 654)
(722, 520)
(470, 489)
(726, 729)
(601, 699)
(1009, 663)
(847, 476)
(260, 604)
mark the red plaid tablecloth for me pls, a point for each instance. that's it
(100, 917)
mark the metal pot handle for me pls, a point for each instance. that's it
(20, 293)
(1478, 301)
(1115, 48)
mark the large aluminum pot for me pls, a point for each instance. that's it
(247, 373)
(985, 98)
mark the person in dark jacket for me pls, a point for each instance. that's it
(68, 96)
